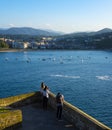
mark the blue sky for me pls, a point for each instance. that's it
(59, 15)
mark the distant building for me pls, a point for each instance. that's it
(20, 45)
(2, 39)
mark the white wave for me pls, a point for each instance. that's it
(66, 76)
(105, 77)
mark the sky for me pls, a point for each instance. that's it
(60, 15)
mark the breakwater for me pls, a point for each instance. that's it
(78, 118)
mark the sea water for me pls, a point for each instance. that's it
(83, 77)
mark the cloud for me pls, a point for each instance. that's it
(44, 26)
(48, 25)
(11, 25)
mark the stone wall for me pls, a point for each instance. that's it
(78, 118)
(10, 119)
(9, 116)
(20, 100)
(81, 120)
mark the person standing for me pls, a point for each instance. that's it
(42, 87)
(45, 97)
(59, 101)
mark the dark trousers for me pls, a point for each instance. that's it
(59, 111)
(45, 101)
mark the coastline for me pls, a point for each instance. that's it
(22, 50)
(14, 50)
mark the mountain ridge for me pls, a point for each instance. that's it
(46, 32)
(28, 31)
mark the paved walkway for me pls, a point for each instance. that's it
(35, 118)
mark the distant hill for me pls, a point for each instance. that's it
(105, 30)
(28, 31)
(40, 32)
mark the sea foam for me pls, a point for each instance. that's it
(66, 76)
(105, 77)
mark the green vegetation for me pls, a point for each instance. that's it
(3, 44)
(73, 41)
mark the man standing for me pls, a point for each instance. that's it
(59, 101)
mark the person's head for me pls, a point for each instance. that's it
(58, 93)
(45, 87)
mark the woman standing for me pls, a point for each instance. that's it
(42, 87)
(45, 97)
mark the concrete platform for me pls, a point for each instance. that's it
(35, 118)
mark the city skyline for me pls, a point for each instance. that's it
(60, 15)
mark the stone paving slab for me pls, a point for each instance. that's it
(35, 118)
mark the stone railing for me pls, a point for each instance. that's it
(78, 118)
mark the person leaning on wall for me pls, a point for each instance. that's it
(59, 102)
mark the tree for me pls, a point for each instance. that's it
(3, 44)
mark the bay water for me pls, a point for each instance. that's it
(83, 77)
